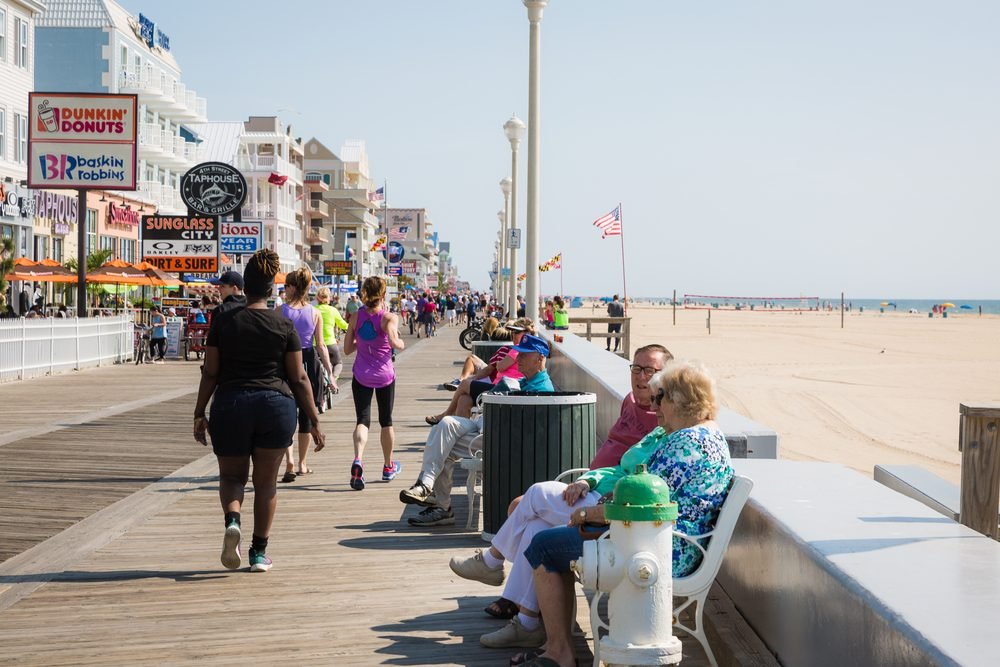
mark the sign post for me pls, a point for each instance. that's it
(82, 141)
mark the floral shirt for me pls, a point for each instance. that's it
(695, 464)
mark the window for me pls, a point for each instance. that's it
(108, 243)
(41, 248)
(21, 145)
(3, 34)
(21, 48)
(3, 133)
(127, 252)
(91, 230)
(57, 250)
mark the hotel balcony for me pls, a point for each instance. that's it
(317, 183)
(150, 141)
(318, 209)
(163, 94)
(267, 164)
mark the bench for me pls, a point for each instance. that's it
(693, 589)
(923, 486)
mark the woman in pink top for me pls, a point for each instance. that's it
(374, 334)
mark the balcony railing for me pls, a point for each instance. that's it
(150, 135)
(269, 163)
(318, 207)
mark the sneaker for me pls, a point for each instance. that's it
(389, 472)
(357, 476)
(433, 516)
(231, 557)
(453, 385)
(418, 494)
(259, 562)
(476, 569)
(514, 635)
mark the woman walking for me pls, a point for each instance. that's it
(253, 365)
(333, 324)
(374, 333)
(309, 325)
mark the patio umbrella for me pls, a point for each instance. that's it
(26, 269)
(948, 304)
(164, 279)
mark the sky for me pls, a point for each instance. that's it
(758, 148)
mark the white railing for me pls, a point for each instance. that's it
(202, 108)
(36, 347)
(150, 134)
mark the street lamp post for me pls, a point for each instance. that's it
(501, 296)
(535, 9)
(514, 130)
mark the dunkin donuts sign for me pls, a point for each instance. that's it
(82, 141)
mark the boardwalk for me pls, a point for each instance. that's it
(111, 530)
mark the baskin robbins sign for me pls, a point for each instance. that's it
(82, 141)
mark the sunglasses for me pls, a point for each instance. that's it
(660, 397)
(648, 371)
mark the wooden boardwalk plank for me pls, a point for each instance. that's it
(352, 583)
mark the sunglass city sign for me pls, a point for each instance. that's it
(214, 188)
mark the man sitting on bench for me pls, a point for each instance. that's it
(452, 437)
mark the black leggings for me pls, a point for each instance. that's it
(160, 347)
(384, 396)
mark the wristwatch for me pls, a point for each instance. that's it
(582, 515)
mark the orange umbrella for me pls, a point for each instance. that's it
(165, 279)
(46, 271)
(280, 279)
(119, 272)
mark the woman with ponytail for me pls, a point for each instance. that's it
(253, 366)
(374, 333)
(309, 325)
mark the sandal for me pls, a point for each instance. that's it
(288, 477)
(525, 657)
(502, 608)
(307, 471)
(432, 420)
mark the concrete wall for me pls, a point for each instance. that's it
(832, 568)
(578, 365)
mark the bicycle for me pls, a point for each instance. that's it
(140, 342)
(471, 333)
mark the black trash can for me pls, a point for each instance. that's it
(485, 349)
(531, 437)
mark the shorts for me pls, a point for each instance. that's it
(477, 387)
(242, 420)
(557, 548)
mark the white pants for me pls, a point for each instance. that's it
(542, 507)
(451, 439)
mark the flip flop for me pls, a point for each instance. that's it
(288, 477)
(525, 656)
(432, 420)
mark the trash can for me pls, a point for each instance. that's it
(531, 437)
(485, 349)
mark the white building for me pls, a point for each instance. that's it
(97, 46)
(267, 155)
(17, 75)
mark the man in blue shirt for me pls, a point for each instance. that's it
(532, 352)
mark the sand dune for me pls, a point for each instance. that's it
(885, 389)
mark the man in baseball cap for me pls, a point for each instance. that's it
(532, 352)
(230, 286)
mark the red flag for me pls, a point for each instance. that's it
(276, 179)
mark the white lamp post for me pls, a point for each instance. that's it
(514, 129)
(535, 9)
(502, 286)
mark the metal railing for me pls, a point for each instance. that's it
(37, 347)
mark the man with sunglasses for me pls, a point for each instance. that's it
(638, 415)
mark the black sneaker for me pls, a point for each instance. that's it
(418, 494)
(433, 516)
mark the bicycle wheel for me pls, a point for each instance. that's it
(468, 336)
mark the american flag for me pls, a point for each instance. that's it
(610, 224)
(399, 233)
(378, 195)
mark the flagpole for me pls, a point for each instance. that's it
(621, 224)
(562, 291)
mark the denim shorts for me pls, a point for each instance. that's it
(245, 419)
(556, 548)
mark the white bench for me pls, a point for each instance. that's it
(693, 589)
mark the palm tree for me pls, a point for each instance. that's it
(95, 260)
(6, 266)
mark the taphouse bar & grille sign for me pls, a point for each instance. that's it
(82, 141)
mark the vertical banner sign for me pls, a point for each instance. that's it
(82, 141)
(181, 244)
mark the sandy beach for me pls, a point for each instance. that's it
(885, 389)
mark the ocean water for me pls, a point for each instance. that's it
(989, 306)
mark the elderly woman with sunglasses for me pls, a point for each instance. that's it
(687, 449)
(691, 456)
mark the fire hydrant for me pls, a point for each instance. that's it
(633, 565)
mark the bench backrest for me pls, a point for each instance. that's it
(729, 514)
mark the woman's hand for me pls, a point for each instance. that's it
(573, 492)
(318, 437)
(200, 430)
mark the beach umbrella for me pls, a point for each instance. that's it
(48, 272)
(965, 306)
(884, 303)
(948, 304)
(162, 278)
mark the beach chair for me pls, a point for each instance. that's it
(693, 589)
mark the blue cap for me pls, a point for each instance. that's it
(531, 343)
